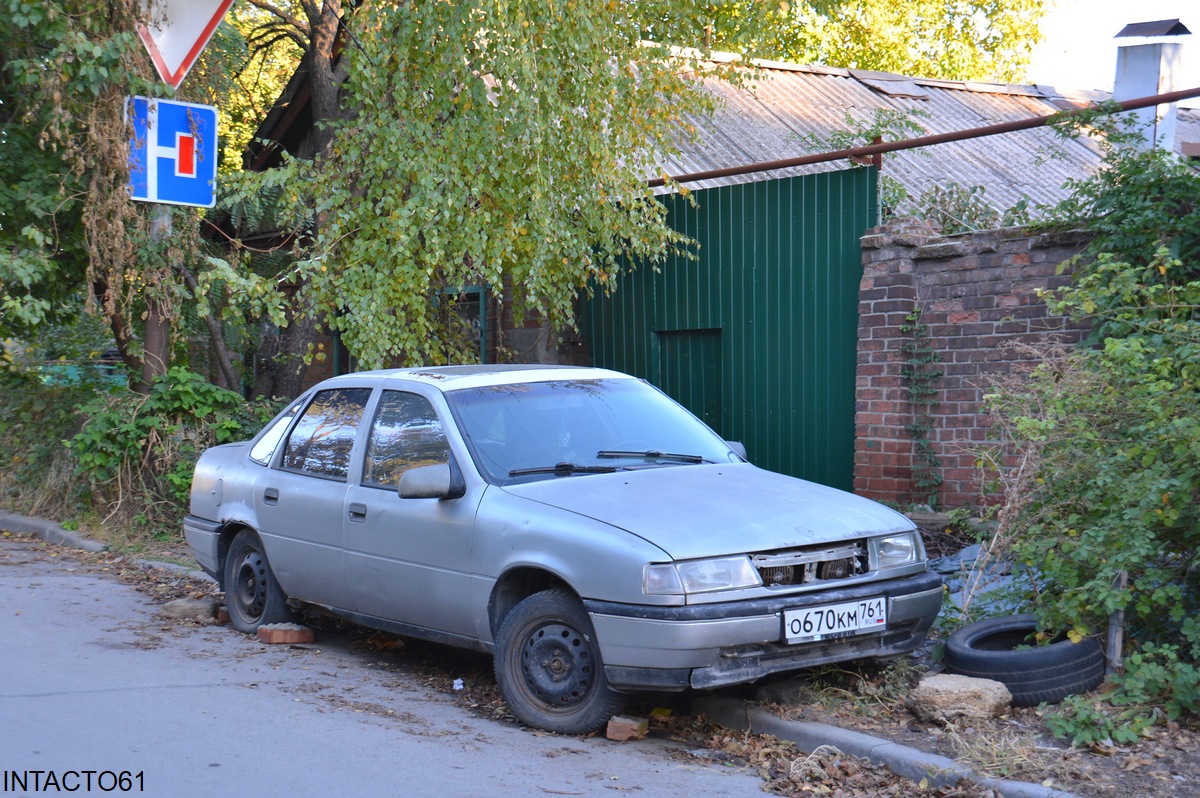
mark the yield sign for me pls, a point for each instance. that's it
(177, 31)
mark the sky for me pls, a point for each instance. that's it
(1078, 50)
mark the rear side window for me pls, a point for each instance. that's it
(321, 441)
(265, 448)
(407, 433)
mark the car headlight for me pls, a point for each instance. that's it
(700, 576)
(894, 550)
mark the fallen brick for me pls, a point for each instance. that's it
(283, 634)
(624, 727)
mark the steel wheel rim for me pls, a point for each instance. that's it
(558, 666)
(250, 585)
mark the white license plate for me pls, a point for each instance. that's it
(835, 620)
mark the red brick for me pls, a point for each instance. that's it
(623, 727)
(283, 634)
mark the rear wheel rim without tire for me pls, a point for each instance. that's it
(250, 585)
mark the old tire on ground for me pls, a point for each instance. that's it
(548, 665)
(253, 597)
(1000, 649)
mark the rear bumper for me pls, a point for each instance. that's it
(709, 645)
(203, 538)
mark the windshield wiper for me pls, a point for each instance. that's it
(565, 470)
(653, 454)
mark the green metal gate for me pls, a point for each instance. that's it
(758, 337)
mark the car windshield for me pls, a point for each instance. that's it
(543, 430)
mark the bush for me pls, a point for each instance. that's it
(35, 419)
(42, 383)
(1158, 683)
(1102, 445)
(1105, 492)
(137, 451)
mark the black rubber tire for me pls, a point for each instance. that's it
(253, 597)
(1000, 649)
(548, 665)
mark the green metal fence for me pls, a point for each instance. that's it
(758, 337)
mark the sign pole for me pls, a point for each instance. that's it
(173, 150)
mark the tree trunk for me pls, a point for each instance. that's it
(326, 82)
(156, 340)
(122, 332)
(279, 367)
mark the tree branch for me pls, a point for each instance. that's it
(214, 331)
(271, 8)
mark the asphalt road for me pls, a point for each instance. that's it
(92, 680)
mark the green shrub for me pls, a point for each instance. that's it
(42, 383)
(1157, 683)
(137, 451)
(1102, 491)
(1111, 440)
(35, 419)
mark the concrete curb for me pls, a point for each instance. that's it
(903, 760)
(51, 532)
(47, 531)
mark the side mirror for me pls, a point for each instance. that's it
(738, 448)
(433, 482)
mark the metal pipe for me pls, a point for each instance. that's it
(923, 141)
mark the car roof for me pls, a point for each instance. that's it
(453, 378)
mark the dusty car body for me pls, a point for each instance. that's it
(578, 524)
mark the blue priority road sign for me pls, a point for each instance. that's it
(172, 152)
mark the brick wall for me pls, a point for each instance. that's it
(976, 293)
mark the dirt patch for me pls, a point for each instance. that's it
(789, 771)
(1017, 745)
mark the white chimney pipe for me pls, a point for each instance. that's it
(1148, 69)
(1144, 70)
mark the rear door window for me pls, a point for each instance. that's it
(323, 438)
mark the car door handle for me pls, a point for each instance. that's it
(271, 496)
(358, 512)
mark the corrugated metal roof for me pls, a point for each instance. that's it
(784, 107)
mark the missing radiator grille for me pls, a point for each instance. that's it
(812, 564)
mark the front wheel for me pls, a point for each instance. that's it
(548, 665)
(252, 596)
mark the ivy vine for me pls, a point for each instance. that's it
(920, 374)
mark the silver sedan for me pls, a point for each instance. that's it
(577, 524)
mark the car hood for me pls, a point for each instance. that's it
(694, 511)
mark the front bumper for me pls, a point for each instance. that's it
(709, 645)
